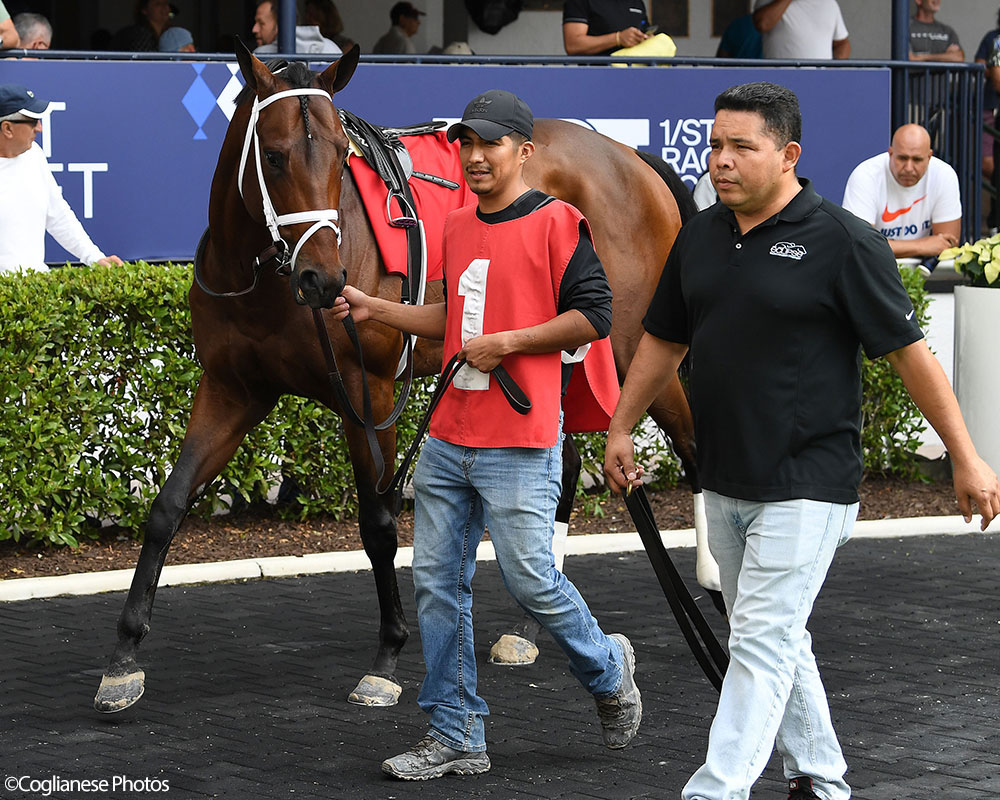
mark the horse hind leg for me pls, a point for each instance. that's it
(518, 647)
(214, 432)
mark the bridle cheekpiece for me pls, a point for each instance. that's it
(321, 218)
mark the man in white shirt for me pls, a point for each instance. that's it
(801, 29)
(31, 201)
(308, 39)
(909, 195)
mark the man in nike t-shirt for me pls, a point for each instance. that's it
(909, 195)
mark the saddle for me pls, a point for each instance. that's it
(386, 154)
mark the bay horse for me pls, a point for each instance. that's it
(286, 149)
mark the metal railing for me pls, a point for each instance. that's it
(947, 99)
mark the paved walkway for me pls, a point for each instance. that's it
(246, 687)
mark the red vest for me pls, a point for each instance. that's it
(505, 276)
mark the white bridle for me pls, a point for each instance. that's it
(321, 218)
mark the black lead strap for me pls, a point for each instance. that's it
(699, 635)
(515, 395)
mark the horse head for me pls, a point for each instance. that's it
(292, 165)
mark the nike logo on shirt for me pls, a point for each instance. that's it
(889, 216)
(910, 315)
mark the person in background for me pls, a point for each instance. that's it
(8, 33)
(308, 39)
(931, 40)
(152, 17)
(398, 40)
(325, 16)
(176, 40)
(741, 39)
(599, 27)
(704, 193)
(990, 97)
(908, 195)
(802, 29)
(31, 201)
(34, 30)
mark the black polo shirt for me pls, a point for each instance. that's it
(606, 16)
(775, 320)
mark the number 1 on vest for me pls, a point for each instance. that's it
(472, 286)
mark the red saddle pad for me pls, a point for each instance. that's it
(431, 153)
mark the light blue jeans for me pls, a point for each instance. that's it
(514, 490)
(773, 559)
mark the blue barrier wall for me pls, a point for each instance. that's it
(134, 144)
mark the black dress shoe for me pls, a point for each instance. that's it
(801, 788)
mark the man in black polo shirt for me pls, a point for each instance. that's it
(599, 27)
(774, 290)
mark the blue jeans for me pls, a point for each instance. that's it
(514, 490)
(773, 559)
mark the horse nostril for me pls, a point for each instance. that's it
(309, 280)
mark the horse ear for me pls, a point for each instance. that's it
(336, 76)
(245, 59)
(257, 76)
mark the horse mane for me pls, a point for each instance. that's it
(296, 74)
(679, 189)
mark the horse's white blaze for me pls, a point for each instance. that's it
(472, 286)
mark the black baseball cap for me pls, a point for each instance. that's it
(16, 99)
(494, 114)
(404, 9)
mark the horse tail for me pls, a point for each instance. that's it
(679, 189)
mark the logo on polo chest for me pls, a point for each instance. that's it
(788, 250)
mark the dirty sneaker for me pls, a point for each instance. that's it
(801, 788)
(429, 758)
(620, 713)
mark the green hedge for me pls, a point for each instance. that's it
(891, 422)
(97, 371)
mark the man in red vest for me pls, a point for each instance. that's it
(522, 284)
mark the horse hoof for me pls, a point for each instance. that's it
(513, 651)
(375, 691)
(117, 693)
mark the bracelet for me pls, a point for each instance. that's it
(618, 38)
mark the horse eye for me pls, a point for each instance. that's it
(273, 159)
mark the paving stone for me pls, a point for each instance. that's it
(247, 685)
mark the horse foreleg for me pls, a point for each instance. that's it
(377, 523)
(519, 646)
(673, 414)
(217, 426)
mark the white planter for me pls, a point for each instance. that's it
(977, 379)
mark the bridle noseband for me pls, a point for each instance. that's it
(321, 218)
